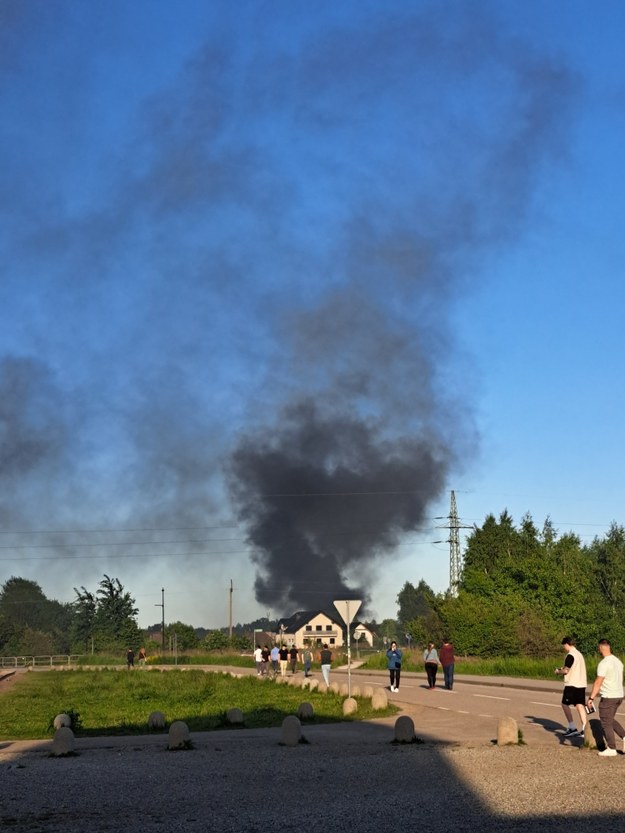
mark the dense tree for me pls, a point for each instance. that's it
(215, 641)
(107, 617)
(83, 621)
(30, 623)
(185, 635)
(414, 602)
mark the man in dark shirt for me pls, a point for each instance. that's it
(448, 661)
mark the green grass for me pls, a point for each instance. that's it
(113, 702)
(536, 669)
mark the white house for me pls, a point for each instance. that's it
(311, 627)
(314, 627)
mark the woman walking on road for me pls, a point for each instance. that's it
(394, 665)
(430, 658)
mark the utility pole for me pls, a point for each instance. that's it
(230, 614)
(455, 559)
(162, 607)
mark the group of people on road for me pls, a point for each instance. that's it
(608, 684)
(283, 657)
(432, 658)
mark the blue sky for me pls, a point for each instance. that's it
(274, 280)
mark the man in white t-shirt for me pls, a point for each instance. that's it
(258, 659)
(574, 694)
(609, 684)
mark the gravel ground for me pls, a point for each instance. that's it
(349, 776)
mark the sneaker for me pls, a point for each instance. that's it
(581, 733)
(607, 753)
(570, 732)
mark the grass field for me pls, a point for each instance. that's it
(536, 669)
(114, 702)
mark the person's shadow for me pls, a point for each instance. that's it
(558, 731)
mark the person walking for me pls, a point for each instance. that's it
(430, 658)
(258, 659)
(325, 658)
(275, 658)
(448, 661)
(284, 658)
(394, 656)
(574, 693)
(293, 654)
(307, 659)
(264, 660)
(609, 684)
(130, 658)
(142, 656)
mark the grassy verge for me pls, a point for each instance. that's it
(111, 702)
(537, 669)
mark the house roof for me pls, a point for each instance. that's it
(302, 617)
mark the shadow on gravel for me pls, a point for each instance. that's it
(349, 777)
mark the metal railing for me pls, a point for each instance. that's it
(56, 661)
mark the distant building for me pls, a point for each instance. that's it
(314, 627)
(363, 634)
(311, 627)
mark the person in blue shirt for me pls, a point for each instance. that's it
(394, 665)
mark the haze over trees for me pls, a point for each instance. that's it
(521, 590)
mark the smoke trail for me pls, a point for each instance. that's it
(263, 269)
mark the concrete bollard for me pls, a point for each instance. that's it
(313, 685)
(306, 711)
(344, 690)
(350, 706)
(322, 688)
(291, 733)
(367, 691)
(156, 720)
(379, 700)
(356, 692)
(62, 720)
(335, 688)
(404, 729)
(507, 732)
(234, 717)
(63, 742)
(179, 737)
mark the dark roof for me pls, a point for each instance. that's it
(302, 617)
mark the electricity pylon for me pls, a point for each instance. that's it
(455, 559)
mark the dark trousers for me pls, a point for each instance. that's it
(609, 724)
(448, 671)
(430, 669)
(395, 674)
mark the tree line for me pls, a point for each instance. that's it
(522, 589)
(103, 620)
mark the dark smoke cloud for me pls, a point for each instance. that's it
(325, 493)
(261, 276)
(370, 430)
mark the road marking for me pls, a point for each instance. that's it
(550, 705)
(461, 712)
(443, 708)
(491, 697)
(484, 715)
